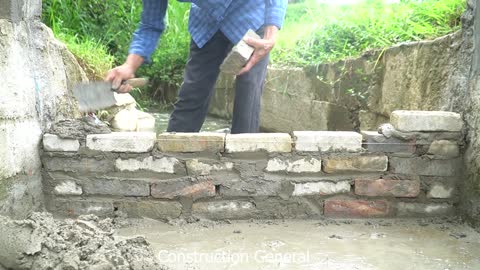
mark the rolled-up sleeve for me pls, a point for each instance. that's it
(152, 24)
(275, 12)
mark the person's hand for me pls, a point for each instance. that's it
(124, 72)
(262, 47)
(119, 74)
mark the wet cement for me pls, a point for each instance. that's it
(399, 244)
(86, 243)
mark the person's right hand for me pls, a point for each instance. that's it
(119, 74)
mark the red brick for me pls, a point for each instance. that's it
(385, 187)
(348, 208)
(185, 187)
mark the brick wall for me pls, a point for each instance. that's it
(412, 170)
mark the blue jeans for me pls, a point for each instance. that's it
(201, 73)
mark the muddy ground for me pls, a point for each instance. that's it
(322, 244)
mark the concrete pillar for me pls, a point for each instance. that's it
(20, 10)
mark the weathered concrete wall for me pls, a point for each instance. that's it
(357, 93)
(37, 73)
(465, 98)
(412, 170)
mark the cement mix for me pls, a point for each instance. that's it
(42, 242)
(78, 128)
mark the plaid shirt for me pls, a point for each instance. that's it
(232, 17)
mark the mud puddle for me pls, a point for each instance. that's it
(403, 245)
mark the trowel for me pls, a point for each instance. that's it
(94, 96)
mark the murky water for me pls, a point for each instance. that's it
(312, 245)
(210, 124)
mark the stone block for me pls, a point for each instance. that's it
(191, 142)
(183, 187)
(323, 141)
(444, 149)
(134, 142)
(239, 55)
(376, 142)
(196, 167)
(405, 209)
(159, 210)
(76, 207)
(303, 165)
(387, 187)
(424, 166)
(440, 191)
(161, 165)
(254, 142)
(82, 165)
(321, 188)
(68, 187)
(116, 187)
(220, 210)
(355, 164)
(52, 142)
(351, 208)
(430, 121)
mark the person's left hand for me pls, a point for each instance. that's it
(262, 47)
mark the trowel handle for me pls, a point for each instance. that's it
(136, 82)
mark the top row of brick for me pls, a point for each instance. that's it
(304, 141)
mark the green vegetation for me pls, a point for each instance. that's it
(316, 33)
(99, 33)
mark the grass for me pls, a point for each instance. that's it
(315, 33)
(92, 55)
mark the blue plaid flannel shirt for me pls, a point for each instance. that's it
(232, 17)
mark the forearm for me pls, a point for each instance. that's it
(134, 61)
(275, 12)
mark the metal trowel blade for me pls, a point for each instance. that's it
(94, 96)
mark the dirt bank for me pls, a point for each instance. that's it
(42, 242)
